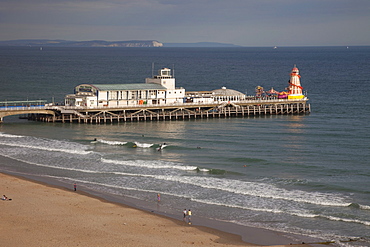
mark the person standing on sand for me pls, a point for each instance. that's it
(75, 186)
(189, 217)
(185, 213)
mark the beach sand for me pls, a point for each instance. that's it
(45, 215)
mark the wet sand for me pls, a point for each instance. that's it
(46, 215)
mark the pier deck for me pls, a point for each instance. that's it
(182, 111)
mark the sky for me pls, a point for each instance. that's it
(239, 22)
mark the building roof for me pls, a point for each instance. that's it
(131, 86)
(226, 92)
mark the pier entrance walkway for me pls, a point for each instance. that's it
(8, 108)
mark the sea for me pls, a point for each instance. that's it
(296, 174)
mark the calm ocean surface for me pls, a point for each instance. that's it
(307, 174)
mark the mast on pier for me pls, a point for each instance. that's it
(163, 78)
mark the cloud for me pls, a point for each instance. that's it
(244, 22)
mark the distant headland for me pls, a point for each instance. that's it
(91, 43)
(103, 43)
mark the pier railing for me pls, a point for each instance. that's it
(23, 108)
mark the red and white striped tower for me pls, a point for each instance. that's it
(295, 88)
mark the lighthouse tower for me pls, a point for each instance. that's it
(295, 88)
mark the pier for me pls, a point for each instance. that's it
(178, 111)
(158, 99)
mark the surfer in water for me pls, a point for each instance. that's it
(161, 146)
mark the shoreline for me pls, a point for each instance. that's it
(227, 231)
(40, 214)
(228, 234)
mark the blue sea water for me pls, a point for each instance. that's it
(306, 174)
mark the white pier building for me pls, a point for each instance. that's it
(161, 89)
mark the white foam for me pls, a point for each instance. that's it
(30, 142)
(260, 190)
(270, 191)
(366, 207)
(367, 223)
(72, 151)
(111, 142)
(259, 209)
(54, 167)
(203, 170)
(150, 164)
(143, 145)
(9, 135)
(302, 213)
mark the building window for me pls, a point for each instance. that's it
(112, 95)
(152, 93)
(121, 95)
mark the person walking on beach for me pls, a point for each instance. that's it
(189, 217)
(158, 197)
(185, 213)
(75, 187)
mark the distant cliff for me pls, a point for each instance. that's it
(200, 44)
(93, 43)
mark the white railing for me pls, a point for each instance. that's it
(23, 108)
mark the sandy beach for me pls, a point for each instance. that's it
(44, 215)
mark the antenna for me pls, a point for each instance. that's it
(173, 69)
